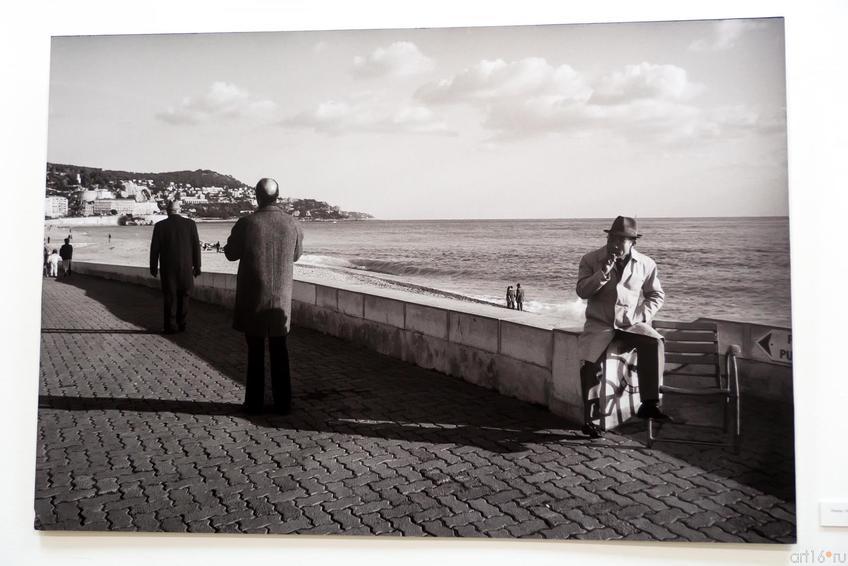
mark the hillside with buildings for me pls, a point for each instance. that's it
(77, 191)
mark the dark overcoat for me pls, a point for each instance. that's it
(175, 248)
(66, 251)
(267, 243)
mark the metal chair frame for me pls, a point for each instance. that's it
(697, 344)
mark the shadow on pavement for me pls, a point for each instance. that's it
(490, 438)
(95, 331)
(766, 460)
(341, 387)
(137, 405)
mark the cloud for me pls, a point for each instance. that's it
(222, 101)
(641, 119)
(641, 102)
(725, 34)
(368, 112)
(400, 59)
(496, 80)
(645, 81)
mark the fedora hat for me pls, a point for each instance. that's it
(624, 226)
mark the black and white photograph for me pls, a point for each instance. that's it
(511, 282)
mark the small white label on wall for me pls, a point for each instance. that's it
(833, 513)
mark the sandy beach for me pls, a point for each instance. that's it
(129, 246)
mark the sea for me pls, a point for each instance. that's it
(727, 268)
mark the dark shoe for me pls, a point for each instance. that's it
(169, 331)
(651, 411)
(182, 328)
(282, 410)
(592, 431)
(253, 411)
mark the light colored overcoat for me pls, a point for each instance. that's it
(266, 243)
(629, 305)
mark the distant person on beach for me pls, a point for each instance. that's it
(175, 248)
(519, 297)
(267, 243)
(217, 247)
(510, 298)
(45, 266)
(623, 294)
(109, 238)
(66, 252)
(53, 263)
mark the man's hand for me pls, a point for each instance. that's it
(608, 264)
(196, 271)
(154, 272)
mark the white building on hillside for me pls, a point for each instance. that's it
(141, 193)
(55, 207)
(194, 200)
(119, 205)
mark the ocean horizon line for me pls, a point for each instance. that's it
(587, 218)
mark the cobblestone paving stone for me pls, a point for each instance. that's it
(143, 432)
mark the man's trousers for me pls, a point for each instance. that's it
(278, 352)
(176, 308)
(651, 353)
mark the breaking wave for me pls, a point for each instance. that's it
(387, 267)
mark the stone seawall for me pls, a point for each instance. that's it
(521, 355)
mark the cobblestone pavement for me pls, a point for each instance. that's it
(143, 432)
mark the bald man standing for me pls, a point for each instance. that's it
(175, 248)
(267, 243)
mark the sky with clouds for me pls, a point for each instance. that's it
(643, 119)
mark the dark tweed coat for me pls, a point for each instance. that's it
(267, 243)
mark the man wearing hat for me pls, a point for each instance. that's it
(624, 294)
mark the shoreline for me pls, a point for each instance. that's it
(88, 251)
(112, 220)
(353, 265)
(343, 275)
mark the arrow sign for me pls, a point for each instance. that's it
(777, 345)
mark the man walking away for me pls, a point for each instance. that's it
(66, 252)
(175, 248)
(267, 243)
(519, 297)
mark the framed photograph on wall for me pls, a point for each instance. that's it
(513, 282)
